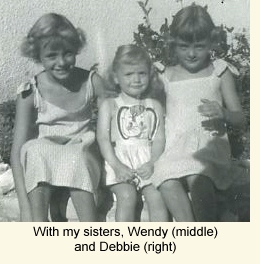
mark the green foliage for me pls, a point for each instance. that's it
(232, 47)
(7, 116)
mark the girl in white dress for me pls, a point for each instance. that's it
(130, 134)
(53, 143)
(201, 99)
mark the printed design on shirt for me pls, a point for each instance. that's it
(136, 121)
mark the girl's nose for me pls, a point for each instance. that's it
(191, 53)
(136, 77)
(61, 60)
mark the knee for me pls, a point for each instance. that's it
(126, 193)
(39, 199)
(128, 196)
(170, 185)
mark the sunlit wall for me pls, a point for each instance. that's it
(107, 23)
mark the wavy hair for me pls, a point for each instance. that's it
(51, 29)
(132, 54)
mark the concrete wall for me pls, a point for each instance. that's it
(107, 23)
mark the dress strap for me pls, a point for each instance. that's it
(165, 81)
(148, 102)
(164, 78)
(119, 102)
(90, 89)
(159, 66)
(221, 65)
(24, 87)
(31, 85)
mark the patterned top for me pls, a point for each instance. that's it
(134, 121)
(133, 127)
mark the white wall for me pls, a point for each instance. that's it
(107, 23)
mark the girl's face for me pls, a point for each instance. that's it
(133, 79)
(193, 56)
(58, 62)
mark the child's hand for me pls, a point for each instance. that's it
(216, 114)
(211, 109)
(146, 170)
(123, 173)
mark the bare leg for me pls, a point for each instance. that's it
(104, 203)
(83, 201)
(203, 198)
(58, 204)
(177, 200)
(84, 204)
(126, 196)
(156, 206)
(39, 199)
(139, 207)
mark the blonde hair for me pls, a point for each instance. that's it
(51, 29)
(130, 55)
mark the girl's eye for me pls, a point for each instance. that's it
(51, 55)
(128, 74)
(143, 73)
(183, 46)
(69, 54)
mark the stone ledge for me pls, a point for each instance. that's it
(9, 210)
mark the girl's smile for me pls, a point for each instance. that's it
(193, 56)
(58, 63)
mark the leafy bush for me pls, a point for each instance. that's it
(232, 47)
(7, 116)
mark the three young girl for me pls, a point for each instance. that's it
(179, 176)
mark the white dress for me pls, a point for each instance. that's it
(133, 128)
(63, 154)
(190, 149)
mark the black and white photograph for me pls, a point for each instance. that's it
(125, 111)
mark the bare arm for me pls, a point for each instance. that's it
(23, 131)
(101, 88)
(232, 113)
(104, 140)
(159, 140)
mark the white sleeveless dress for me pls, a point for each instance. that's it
(133, 128)
(61, 154)
(190, 149)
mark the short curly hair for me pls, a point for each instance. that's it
(131, 54)
(51, 28)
